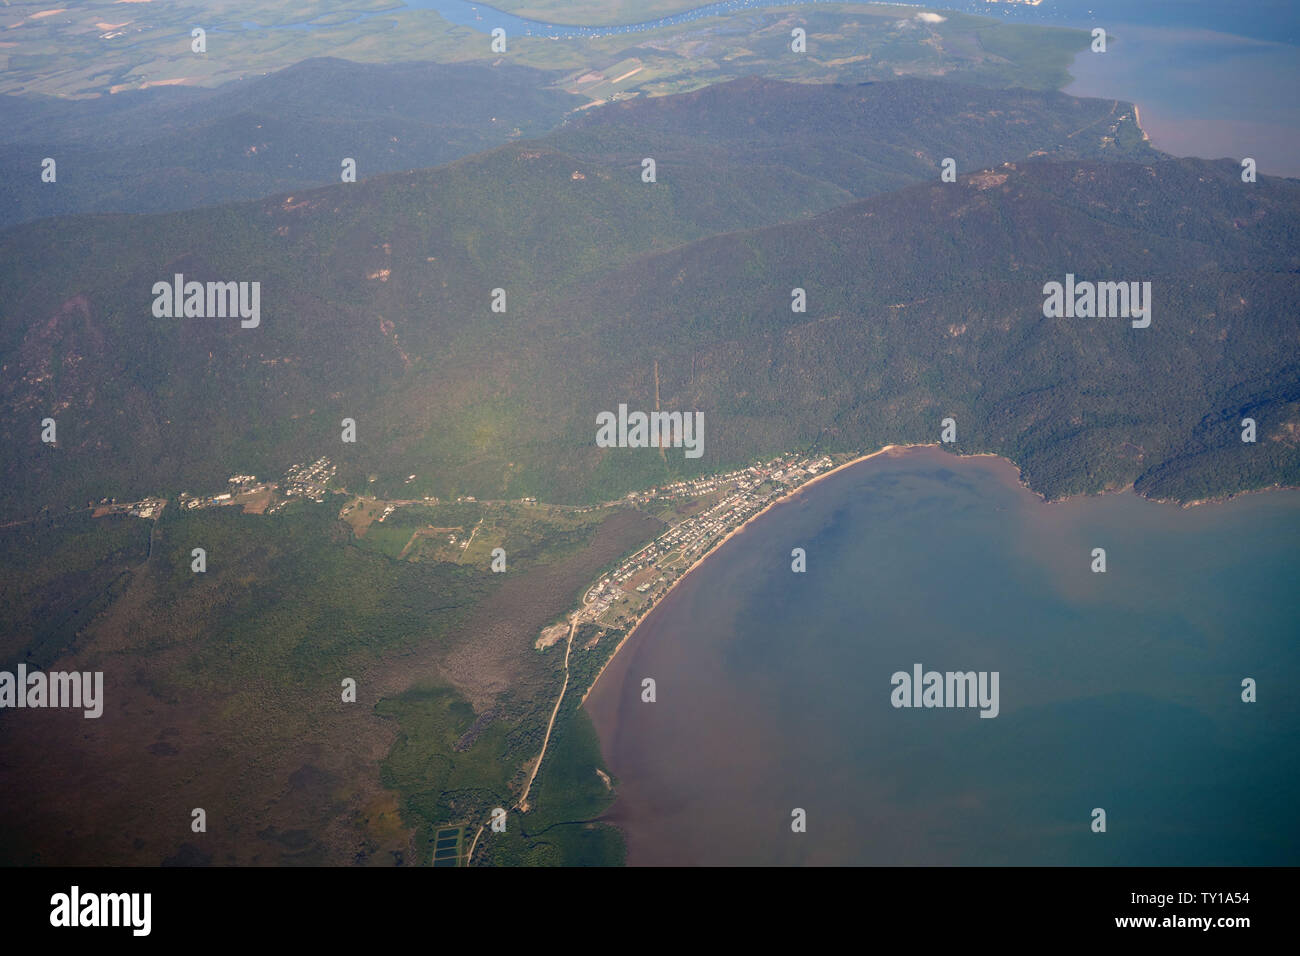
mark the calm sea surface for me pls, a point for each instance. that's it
(1202, 92)
(1119, 690)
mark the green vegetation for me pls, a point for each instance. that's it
(149, 46)
(387, 539)
(451, 764)
(236, 674)
(454, 515)
(59, 574)
(1042, 52)
(929, 299)
(394, 276)
(176, 148)
(930, 302)
(441, 783)
(560, 828)
(924, 302)
(307, 599)
(568, 796)
(588, 658)
(232, 674)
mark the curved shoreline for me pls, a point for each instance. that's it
(731, 534)
(794, 492)
(746, 664)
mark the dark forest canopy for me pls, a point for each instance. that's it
(925, 302)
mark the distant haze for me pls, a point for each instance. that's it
(1201, 93)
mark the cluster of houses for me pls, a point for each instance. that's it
(694, 535)
(309, 480)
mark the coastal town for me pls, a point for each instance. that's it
(700, 513)
(710, 508)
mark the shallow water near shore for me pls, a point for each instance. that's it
(1202, 93)
(1119, 691)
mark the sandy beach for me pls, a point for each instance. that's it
(731, 534)
(856, 461)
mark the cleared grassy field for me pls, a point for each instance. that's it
(102, 47)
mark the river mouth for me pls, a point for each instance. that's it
(1119, 690)
(1208, 85)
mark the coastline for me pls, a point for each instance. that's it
(724, 644)
(731, 534)
(1197, 115)
(794, 492)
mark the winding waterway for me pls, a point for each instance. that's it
(1263, 19)
(1211, 77)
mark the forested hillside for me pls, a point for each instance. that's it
(173, 148)
(376, 296)
(924, 302)
(928, 303)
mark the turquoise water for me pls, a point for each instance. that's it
(1119, 691)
